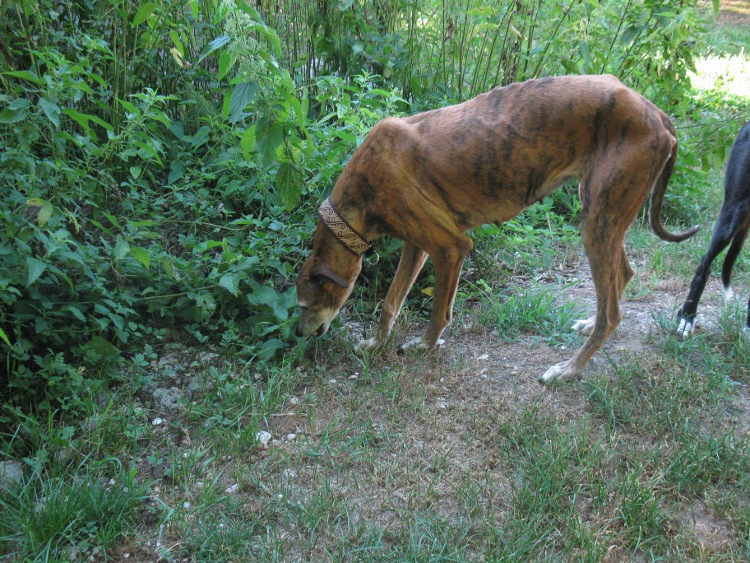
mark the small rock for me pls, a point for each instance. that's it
(233, 489)
(294, 401)
(264, 438)
(157, 421)
(11, 474)
(290, 437)
(483, 357)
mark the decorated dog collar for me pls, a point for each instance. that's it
(351, 239)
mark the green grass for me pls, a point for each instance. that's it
(77, 511)
(529, 310)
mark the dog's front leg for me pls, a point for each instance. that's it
(448, 260)
(412, 260)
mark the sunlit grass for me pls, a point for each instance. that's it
(728, 73)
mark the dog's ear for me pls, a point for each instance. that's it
(321, 269)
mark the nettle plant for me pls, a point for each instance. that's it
(129, 214)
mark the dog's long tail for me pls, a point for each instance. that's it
(657, 197)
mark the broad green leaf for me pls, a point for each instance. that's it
(148, 151)
(269, 348)
(272, 38)
(200, 138)
(112, 219)
(15, 112)
(225, 63)
(76, 312)
(230, 282)
(289, 184)
(194, 9)
(122, 248)
(135, 171)
(103, 346)
(142, 255)
(45, 214)
(214, 45)
(101, 122)
(129, 107)
(51, 110)
(81, 118)
(35, 269)
(242, 94)
(176, 171)
(262, 295)
(248, 143)
(143, 13)
(269, 139)
(26, 75)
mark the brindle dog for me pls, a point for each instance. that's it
(428, 178)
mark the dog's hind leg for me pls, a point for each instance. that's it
(610, 277)
(409, 266)
(611, 199)
(731, 258)
(724, 231)
(586, 326)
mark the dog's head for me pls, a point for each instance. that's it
(320, 295)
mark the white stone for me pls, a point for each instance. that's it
(264, 438)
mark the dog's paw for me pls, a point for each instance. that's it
(584, 326)
(419, 345)
(686, 328)
(559, 372)
(366, 345)
(728, 294)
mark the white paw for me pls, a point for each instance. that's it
(686, 328)
(584, 326)
(728, 294)
(559, 372)
(367, 345)
(419, 345)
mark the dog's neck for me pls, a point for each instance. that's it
(342, 261)
(342, 229)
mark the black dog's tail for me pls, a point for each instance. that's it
(657, 197)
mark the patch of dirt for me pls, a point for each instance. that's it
(734, 12)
